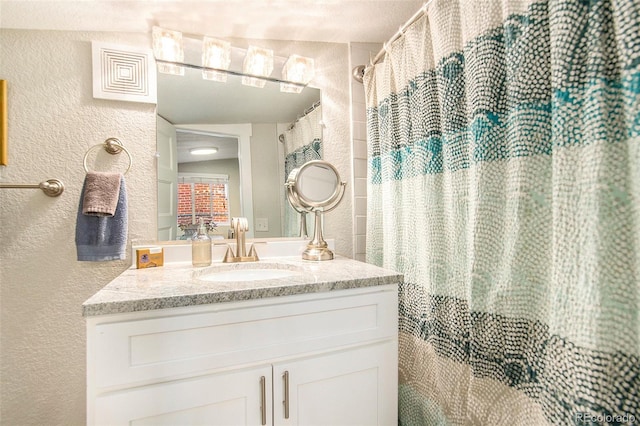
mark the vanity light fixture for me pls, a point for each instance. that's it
(219, 58)
(258, 62)
(203, 151)
(167, 46)
(215, 54)
(297, 69)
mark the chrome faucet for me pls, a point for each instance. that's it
(240, 225)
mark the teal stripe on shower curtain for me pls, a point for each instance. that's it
(504, 182)
(304, 154)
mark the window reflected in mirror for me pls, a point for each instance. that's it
(203, 196)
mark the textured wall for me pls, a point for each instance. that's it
(53, 120)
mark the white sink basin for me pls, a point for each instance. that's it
(247, 274)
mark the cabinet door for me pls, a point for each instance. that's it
(350, 387)
(231, 398)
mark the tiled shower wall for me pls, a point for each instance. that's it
(359, 54)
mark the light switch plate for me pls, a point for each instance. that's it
(262, 224)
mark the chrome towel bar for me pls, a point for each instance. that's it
(51, 187)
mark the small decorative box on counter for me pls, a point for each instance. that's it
(149, 257)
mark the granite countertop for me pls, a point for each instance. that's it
(180, 284)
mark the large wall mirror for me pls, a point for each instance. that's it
(259, 135)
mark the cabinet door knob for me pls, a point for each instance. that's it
(263, 399)
(285, 377)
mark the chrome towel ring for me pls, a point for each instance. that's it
(113, 146)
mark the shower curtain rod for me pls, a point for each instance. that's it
(401, 31)
(307, 111)
(358, 72)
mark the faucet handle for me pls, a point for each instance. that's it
(229, 257)
(240, 224)
(253, 254)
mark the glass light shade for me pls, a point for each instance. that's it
(203, 151)
(167, 46)
(258, 62)
(297, 69)
(215, 54)
(291, 88)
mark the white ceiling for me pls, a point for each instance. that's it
(338, 21)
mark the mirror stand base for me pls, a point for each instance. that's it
(317, 253)
(317, 249)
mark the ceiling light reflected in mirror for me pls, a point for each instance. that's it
(203, 151)
(189, 141)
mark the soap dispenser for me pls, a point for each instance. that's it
(201, 247)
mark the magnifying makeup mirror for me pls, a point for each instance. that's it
(315, 187)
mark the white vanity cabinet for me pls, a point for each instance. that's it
(225, 398)
(325, 358)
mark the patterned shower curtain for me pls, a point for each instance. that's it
(504, 182)
(302, 143)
